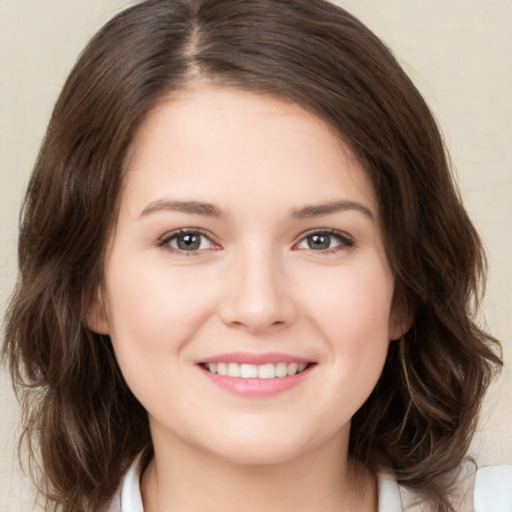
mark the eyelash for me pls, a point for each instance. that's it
(345, 241)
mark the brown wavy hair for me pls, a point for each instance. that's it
(83, 424)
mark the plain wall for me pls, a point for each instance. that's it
(458, 52)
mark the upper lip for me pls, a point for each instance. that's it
(254, 358)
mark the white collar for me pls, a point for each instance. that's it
(389, 494)
(131, 499)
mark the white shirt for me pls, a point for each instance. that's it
(492, 492)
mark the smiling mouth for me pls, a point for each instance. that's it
(256, 371)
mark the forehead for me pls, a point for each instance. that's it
(226, 143)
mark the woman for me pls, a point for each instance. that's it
(245, 269)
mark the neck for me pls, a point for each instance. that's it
(183, 479)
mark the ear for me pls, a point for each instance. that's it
(401, 317)
(96, 315)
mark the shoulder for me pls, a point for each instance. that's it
(486, 489)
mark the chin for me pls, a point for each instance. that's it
(275, 446)
(254, 454)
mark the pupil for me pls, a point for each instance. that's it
(189, 242)
(319, 241)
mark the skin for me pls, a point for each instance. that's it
(255, 284)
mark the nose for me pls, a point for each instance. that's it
(257, 298)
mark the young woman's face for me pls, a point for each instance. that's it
(247, 291)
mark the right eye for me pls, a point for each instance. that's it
(187, 241)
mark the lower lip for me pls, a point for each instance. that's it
(257, 387)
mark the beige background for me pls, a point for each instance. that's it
(459, 53)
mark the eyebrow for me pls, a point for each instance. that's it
(192, 207)
(317, 210)
(210, 210)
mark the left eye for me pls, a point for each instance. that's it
(187, 241)
(321, 241)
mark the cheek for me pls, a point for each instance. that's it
(353, 300)
(152, 309)
(355, 319)
(153, 314)
(352, 312)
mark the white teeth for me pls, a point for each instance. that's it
(281, 370)
(266, 371)
(293, 368)
(248, 371)
(233, 370)
(253, 371)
